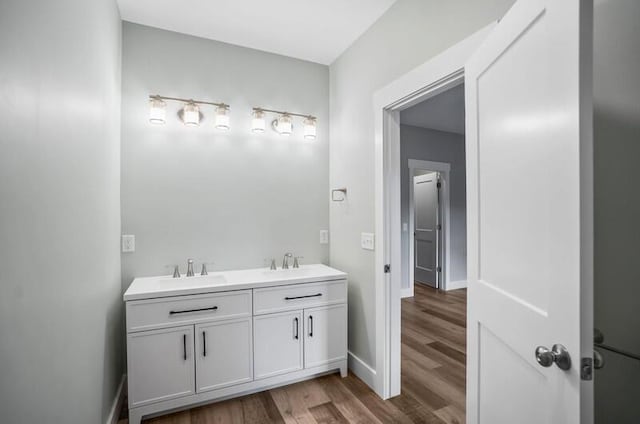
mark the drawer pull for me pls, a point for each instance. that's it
(188, 311)
(303, 297)
(310, 325)
(295, 335)
(184, 346)
(204, 344)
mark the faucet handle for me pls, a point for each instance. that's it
(296, 264)
(273, 266)
(176, 271)
(204, 270)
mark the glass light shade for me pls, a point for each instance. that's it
(257, 123)
(222, 118)
(157, 111)
(309, 128)
(191, 115)
(285, 124)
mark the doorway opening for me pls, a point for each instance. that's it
(433, 234)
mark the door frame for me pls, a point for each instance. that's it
(443, 168)
(442, 72)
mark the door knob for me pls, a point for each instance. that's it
(558, 355)
(598, 360)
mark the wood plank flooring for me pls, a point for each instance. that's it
(433, 380)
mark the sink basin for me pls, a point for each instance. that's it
(197, 280)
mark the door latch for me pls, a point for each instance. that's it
(387, 268)
(586, 369)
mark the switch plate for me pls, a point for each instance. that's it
(128, 243)
(367, 241)
(324, 236)
(405, 227)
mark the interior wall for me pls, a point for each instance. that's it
(437, 146)
(617, 205)
(407, 35)
(60, 293)
(234, 198)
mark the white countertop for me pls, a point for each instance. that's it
(165, 286)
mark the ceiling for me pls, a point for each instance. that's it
(444, 112)
(304, 29)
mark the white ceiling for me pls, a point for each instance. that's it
(318, 31)
(444, 112)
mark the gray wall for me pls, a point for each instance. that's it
(617, 205)
(60, 304)
(407, 35)
(438, 146)
(232, 198)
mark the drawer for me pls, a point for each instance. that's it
(298, 296)
(171, 311)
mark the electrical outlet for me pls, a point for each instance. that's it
(128, 243)
(367, 241)
(324, 236)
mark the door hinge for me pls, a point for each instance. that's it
(439, 227)
(439, 269)
(439, 184)
(586, 369)
(387, 268)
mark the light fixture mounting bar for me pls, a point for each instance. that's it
(280, 112)
(178, 99)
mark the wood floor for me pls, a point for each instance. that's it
(433, 380)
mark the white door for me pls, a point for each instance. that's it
(277, 341)
(224, 354)
(426, 232)
(160, 365)
(325, 335)
(529, 185)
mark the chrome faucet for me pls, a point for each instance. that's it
(190, 268)
(285, 260)
(295, 261)
(273, 265)
(176, 272)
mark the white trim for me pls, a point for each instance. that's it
(407, 292)
(362, 370)
(455, 285)
(444, 169)
(427, 80)
(118, 401)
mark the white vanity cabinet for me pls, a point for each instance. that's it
(191, 344)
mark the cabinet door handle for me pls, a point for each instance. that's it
(184, 346)
(295, 326)
(310, 325)
(204, 344)
(188, 311)
(303, 297)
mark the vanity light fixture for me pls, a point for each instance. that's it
(309, 128)
(257, 122)
(222, 117)
(283, 124)
(157, 111)
(189, 114)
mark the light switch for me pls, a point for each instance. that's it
(128, 243)
(367, 241)
(324, 236)
(405, 227)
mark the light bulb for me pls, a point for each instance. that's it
(285, 124)
(310, 128)
(191, 115)
(157, 111)
(257, 123)
(222, 117)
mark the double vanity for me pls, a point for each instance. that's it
(192, 340)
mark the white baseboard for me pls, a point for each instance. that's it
(408, 292)
(117, 402)
(362, 370)
(455, 285)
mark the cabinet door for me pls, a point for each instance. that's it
(325, 335)
(224, 354)
(160, 365)
(277, 340)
